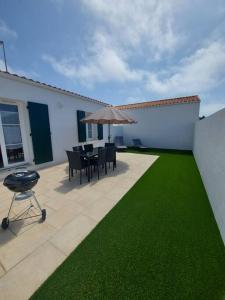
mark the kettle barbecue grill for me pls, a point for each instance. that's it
(21, 183)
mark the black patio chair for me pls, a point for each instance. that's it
(76, 162)
(138, 144)
(120, 143)
(109, 144)
(78, 148)
(111, 156)
(100, 161)
(88, 147)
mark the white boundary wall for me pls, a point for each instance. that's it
(166, 126)
(209, 152)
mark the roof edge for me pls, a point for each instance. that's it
(48, 86)
(162, 102)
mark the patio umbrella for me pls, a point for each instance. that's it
(109, 115)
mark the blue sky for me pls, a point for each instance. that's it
(120, 51)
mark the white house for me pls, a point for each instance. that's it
(38, 122)
(167, 123)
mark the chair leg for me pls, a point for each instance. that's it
(105, 168)
(80, 176)
(69, 174)
(98, 171)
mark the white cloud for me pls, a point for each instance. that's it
(120, 31)
(6, 31)
(137, 23)
(202, 71)
(104, 63)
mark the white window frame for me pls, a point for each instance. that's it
(23, 135)
(94, 130)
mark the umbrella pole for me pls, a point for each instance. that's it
(109, 132)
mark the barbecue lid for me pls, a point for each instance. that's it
(21, 177)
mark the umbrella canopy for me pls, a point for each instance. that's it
(109, 115)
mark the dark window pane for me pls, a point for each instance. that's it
(15, 153)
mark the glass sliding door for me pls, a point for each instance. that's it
(10, 135)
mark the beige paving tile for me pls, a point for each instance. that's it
(22, 281)
(63, 216)
(56, 201)
(5, 237)
(90, 197)
(17, 248)
(99, 209)
(68, 238)
(2, 271)
(4, 203)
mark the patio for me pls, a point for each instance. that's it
(29, 251)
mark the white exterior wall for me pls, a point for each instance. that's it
(168, 127)
(62, 113)
(209, 152)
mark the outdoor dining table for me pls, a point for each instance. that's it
(88, 156)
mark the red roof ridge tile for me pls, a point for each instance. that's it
(169, 101)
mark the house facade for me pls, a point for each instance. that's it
(39, 122)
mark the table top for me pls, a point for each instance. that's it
(90, 154)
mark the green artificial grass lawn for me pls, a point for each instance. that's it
(160, 241)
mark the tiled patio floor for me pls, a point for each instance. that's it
(30, 251)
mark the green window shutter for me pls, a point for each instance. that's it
(40, 132)
(100, 131)
(81, 127)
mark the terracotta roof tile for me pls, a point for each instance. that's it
(180, 100)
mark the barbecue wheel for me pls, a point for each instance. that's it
(43, 214)
(5, 223)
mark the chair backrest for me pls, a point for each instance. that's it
(88, 147)
(74, 159)
(78, 148)
(119, 141)
(110, 154)
(109, 144)
(137, 142)
(101, 155)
